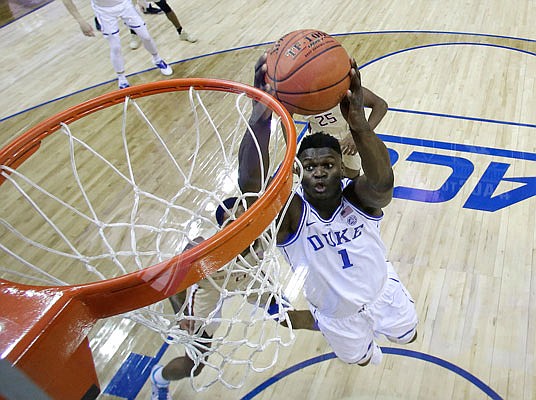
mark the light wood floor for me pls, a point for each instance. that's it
(460, 80)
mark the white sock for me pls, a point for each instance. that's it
(122, 78)
(158, 378)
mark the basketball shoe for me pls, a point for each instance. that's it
(97, 24)
(151, 10)
(163, 67)
(278, 309)
(159, 391)
(134, 41)
(122, 82)
(183, 35)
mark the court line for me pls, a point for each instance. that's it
(389, 31)
(386, 350)
(474, 119)
(270, 42)
(452, 146)
(500, 46)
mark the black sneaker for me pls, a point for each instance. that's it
(97, 24)
(152, 10)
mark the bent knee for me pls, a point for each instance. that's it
(142, 32)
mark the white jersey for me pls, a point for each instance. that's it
(330, 121)
(344, 256)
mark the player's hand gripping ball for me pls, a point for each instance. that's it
(309, 71)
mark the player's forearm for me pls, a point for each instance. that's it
(73, 10)
(377, 105)
(375, 159)
(251, 172)
(376, 115)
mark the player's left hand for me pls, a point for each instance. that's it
(260, 111)
(86, 28)
(351, 105)
(348, 145)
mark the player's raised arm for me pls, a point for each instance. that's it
(377, 105)
(251, 172)
(73, 10)
(374, 189)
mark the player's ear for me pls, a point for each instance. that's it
(296, 168)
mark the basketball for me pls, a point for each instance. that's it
(309, 71)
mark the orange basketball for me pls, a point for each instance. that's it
(309, 71)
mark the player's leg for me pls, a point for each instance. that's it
(172, 17)
(110, 30)
(135, 22)
(394, 313)
(351, 338)
(147, 8)
(204, 301)
(134, 40)
(116, 57)
(176, 369)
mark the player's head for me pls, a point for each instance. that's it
(318, 140)
(221, 214)
(321, 158)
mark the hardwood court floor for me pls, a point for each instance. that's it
(459, 78)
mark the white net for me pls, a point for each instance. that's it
(133, 185)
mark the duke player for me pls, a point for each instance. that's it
(107, 13)
(333, 122)
(332, 228)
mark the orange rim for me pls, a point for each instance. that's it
(141, 288)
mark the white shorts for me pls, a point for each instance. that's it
(108, 17)
(207, 301)
(393, 315)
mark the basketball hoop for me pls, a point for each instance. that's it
(45, 319)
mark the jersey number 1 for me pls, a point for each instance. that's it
(345, 259)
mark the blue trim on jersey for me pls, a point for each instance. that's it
(326, 221)
(294, 236)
